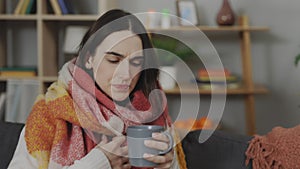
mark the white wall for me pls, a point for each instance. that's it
(272, 54)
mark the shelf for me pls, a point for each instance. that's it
(18, 17)
(213, 28)
(95, 17)
(49, 78)
(187, 89)
(70, 17)
(5, 78)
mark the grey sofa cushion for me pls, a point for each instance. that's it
(9, 137)
(221, 151)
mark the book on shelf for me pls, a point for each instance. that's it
(17, 71)
(228, 78)
(55, 6)
(66, 6)
(213, 72)
(208, 79)
(31, 8)
(10, 6)
(63, 7)
(19, 7)
(209, 86)
(69, 6)
(25, 7)
(49, 7)
(2, 104)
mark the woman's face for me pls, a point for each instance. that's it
(117, 64)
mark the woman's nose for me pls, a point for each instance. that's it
(123, 70)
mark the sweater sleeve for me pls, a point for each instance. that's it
(21, 159)
(95, 159)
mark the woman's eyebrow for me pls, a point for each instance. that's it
(116, 54)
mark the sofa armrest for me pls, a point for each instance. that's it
(9, 137)
(222, 150)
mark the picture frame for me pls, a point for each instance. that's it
(186, 11)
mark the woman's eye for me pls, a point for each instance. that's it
(136, 61)
(113, 60)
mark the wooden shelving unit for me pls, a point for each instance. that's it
(248, 89)
(243, 90)
(47, 27)
(70, 17)
(237, 28)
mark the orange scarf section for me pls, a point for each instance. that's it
(63, 128)
(53, 131)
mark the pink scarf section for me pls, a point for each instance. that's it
(279, 149)
(116, 118)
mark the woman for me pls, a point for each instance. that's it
(81, 120)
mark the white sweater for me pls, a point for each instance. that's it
(95, 159)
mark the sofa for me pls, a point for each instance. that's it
(221, 151)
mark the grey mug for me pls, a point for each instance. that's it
(136, 135)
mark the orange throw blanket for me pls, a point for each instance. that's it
(279, 149)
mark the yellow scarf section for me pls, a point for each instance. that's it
(47, 124)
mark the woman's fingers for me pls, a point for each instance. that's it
(118, 140)
(120, 161)
(160, 137)
(164, 166)
(156, 144)
(116, 152)
(124, 151)
(119, 150)
(160, 142)
(167, 158)
(114, 146)
(126, 166)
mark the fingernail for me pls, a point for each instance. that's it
(146, 155)
(155, 134)
(146, 142)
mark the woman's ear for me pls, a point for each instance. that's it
(89, 62)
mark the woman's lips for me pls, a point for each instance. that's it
(121, 87)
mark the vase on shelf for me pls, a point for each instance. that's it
(167, 77)
(225, 16)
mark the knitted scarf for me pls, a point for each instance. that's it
(279, 149)
(67, 122)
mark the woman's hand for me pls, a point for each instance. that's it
(115, 152)
(160, 142)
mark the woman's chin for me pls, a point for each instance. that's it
(120, 97)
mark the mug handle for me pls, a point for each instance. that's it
(171, 142)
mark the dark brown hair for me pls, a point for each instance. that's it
(113, 21)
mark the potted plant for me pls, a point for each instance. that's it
(170, 51)
(297, 59)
